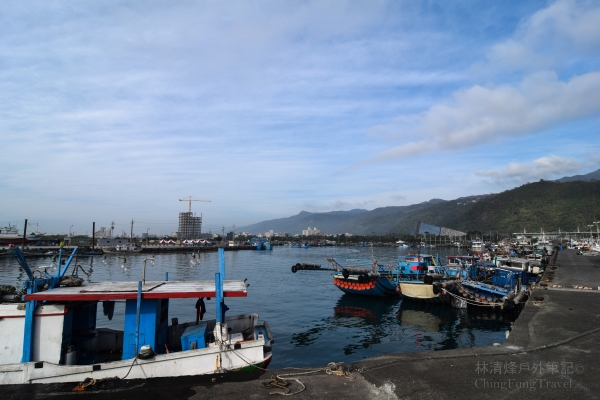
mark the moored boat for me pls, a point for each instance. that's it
(10, 235)
(363, 277)
(52, 336)
(416, 274)
(506, 289)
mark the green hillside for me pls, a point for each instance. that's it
(545, 204)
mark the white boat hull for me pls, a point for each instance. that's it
(419, 291)
(185, 363)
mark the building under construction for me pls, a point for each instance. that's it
(190, 226)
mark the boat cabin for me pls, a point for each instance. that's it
(65, 326)
(416, 266)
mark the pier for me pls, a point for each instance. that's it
(42, 251)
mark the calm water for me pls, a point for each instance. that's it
(312, 321)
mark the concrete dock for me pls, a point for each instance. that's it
(552, 352)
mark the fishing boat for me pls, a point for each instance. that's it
(459, 267)
(477, 245)
(51, 336)
(261, 244)
(10, 235)
(363, 277)
(416, 275)
(507, 288)
(533, 269)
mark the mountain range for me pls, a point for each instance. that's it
(569, 203)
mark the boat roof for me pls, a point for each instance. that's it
(514, 259)
(463, 257)
(100, 291)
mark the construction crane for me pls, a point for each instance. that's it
(190, 202)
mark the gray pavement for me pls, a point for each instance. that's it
(552, 352)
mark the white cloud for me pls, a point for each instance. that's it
(565, 28)
(481, 115)
(550, 167)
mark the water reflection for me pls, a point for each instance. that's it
(391, 325)
(442, 327)
(367, 321)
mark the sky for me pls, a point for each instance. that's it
(113, 111)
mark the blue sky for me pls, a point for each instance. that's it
(112, 111)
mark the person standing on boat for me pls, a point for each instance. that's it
(200, 309)
(224, 308)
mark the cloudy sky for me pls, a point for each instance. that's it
(113, 111)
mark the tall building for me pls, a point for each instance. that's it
(190, 226)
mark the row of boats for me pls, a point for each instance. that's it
(501, 282)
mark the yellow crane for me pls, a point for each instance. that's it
(189, 200)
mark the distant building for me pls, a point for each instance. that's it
(422, 228)
(111, 242)
(189, 226)
(310, 232)
(102, 233)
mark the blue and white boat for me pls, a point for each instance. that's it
(416, 275)
(402, 244)
(51, 335)
(506, 288)
(261, 244)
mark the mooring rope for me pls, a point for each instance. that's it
(278, 382)
(87, 382)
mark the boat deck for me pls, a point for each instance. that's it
(151, 290)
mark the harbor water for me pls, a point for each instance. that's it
(312, 321)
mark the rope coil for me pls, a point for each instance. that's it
(277, 382)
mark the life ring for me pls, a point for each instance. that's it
(294, 268)
(345, 273)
